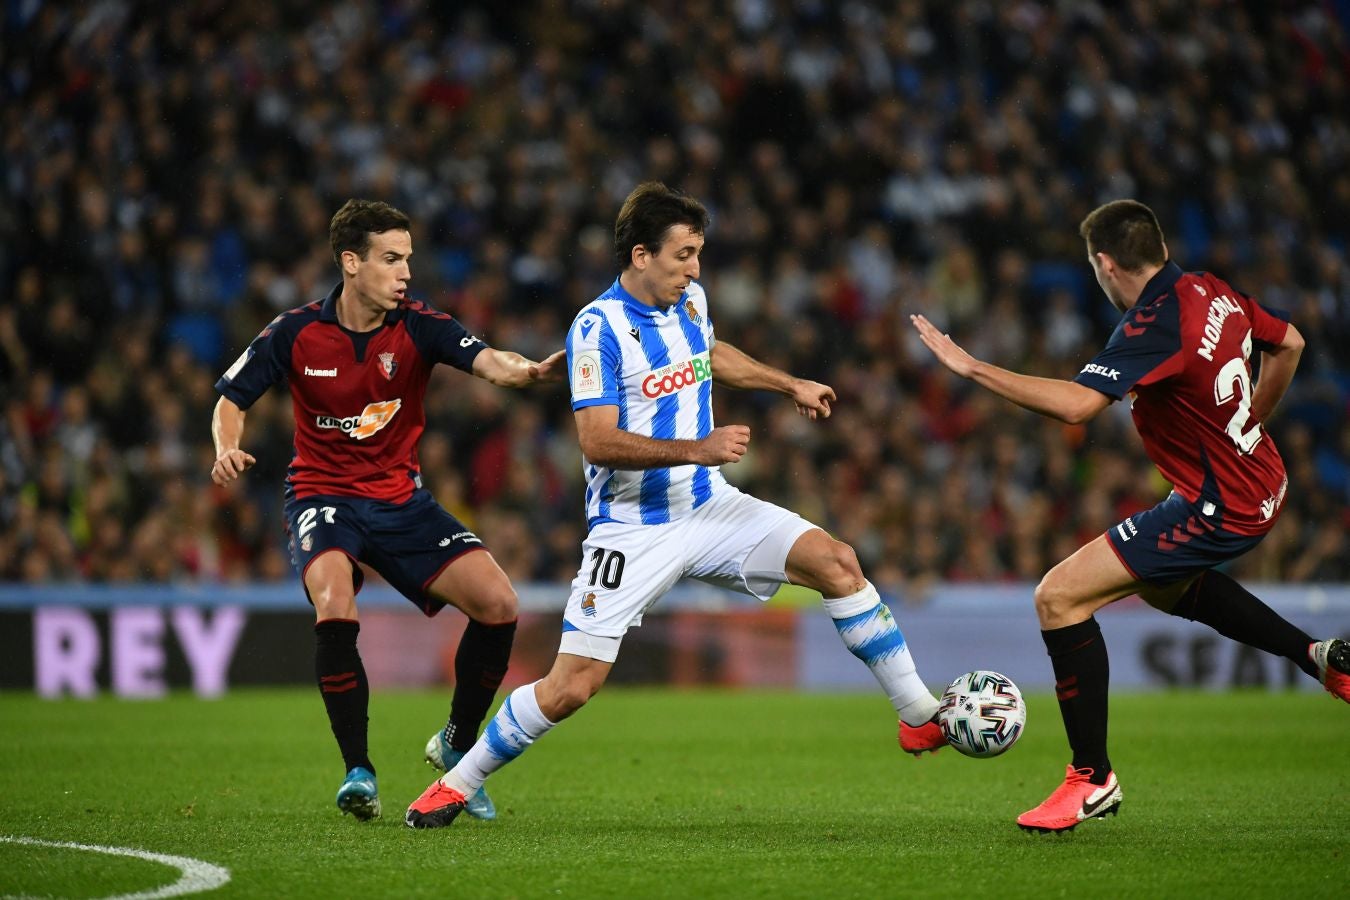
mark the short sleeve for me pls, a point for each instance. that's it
(1268, 325)
(1144, 348)
(594, 361)
(262, 364)
(440, 338)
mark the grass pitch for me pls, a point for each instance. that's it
(678, 794)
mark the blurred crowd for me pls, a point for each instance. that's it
(169, 171)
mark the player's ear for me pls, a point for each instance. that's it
(638, 257)
(350, 261)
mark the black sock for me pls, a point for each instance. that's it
(1230, 609)
(342, 682)
(480, 665)
(1082, 675)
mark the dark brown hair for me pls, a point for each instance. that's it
(650, 210)
(1128, 232)
(353, 225)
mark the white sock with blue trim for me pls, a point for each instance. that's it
(518, 723)
(869, 632)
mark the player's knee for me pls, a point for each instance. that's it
(333, 602)
(1052, 600)
(570, 695)
(497, 606)
(840, 572)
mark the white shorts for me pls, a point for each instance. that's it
(734, 541)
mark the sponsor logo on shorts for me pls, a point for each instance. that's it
(1127, 529)
(374, 417)
(467, 537)
(588, 605)
(674, 378)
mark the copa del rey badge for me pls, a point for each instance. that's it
(388, 365)
(586, 374)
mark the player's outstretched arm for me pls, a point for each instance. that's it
(1277, 370)
(227, 427)
(509, 369)
(1067, 401)
(734, 368)
(604, 443)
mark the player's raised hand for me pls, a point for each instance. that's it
(944, 348)
(550, 369)
(230, 465)
(726, 444)
(812, 398)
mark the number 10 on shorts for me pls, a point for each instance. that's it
(608, 568)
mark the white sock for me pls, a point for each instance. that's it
(869, 632)
(518, 723)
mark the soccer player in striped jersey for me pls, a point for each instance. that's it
(357, 364)
(643, 359)
(1183, 350)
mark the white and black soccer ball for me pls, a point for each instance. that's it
(982, 713)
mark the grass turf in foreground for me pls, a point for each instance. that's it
(659, 793)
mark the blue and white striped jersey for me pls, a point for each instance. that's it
(654, 365)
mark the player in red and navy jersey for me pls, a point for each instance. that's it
(1183, 349)
(357, 364)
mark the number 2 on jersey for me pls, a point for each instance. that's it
(1234, 381)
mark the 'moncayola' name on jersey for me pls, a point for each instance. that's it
(1220, 308)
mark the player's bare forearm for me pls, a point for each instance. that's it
(736, 369)
(604, 443)
(506, 368)
(1277, 371)
(1067, 401)
(619, 449)
(227, 429)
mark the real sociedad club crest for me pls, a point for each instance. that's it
(388, 365)
(691, 311)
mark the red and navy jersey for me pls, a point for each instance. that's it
(357, 396)
(1184, 350)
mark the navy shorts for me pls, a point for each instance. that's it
(1176, 540)
(407, 543)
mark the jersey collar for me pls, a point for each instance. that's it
(1161, 282)
(328, 309)
(637, 307)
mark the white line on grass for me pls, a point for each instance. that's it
(197, 876)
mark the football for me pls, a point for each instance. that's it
(982, 714)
